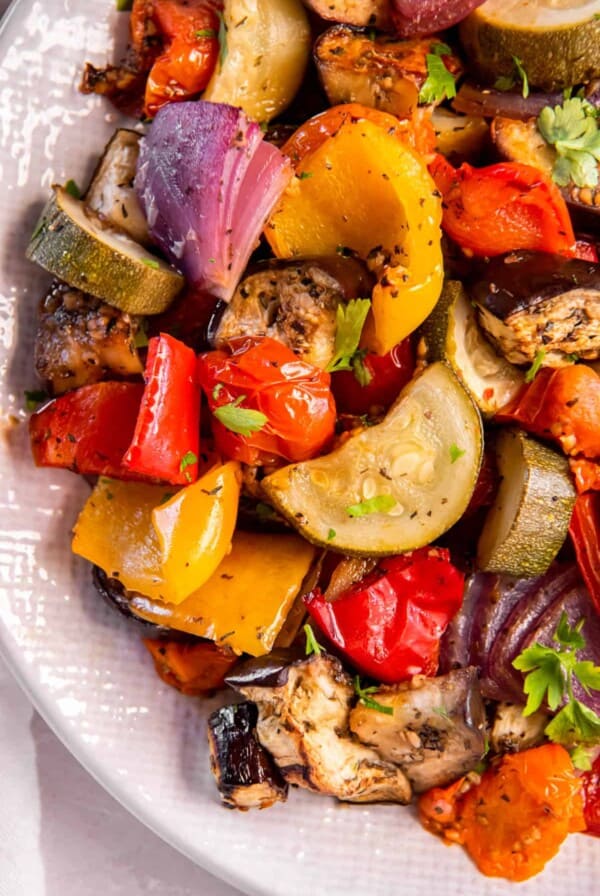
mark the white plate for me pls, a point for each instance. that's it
(86, 671)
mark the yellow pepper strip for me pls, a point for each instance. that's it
(195, 528)
(364, 190)
(246, 601)
(115, 531)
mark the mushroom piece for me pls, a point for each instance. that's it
(303, 713)
(294, 302)
(512, 731)
(246, 775)
(436, 732)
(82, 340)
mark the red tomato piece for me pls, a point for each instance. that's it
(584, 530)
(390, 623)
(388, 376)
(501, 208)
(261, 374)
(87, 430)
(591, 798)
(166, 441)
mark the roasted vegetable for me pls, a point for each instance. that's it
(196, 668)
(372, 13)
(529, 519)
(391, 487)
(303, 720)
(77, 245)
(294, 302)
(461, 138)
(246, 775)
(436, 731)
(536, 303)
(375, 69)
(513, 732)
(426, 16)
(81, 340)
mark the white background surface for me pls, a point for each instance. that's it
(70, 837)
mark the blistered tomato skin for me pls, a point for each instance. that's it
(386, 374)
(261, 374)
(591, 799)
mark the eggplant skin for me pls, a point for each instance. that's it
(436, 732)
(529, 302)
(377, 71)
(115, 595)
(82, 340)
(246, 776)
(303, 723)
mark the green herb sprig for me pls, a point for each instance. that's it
(350, 319)
(572, 129)
(364, 695)
(439, 84)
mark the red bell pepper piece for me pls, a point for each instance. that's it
(586, 474)
(389, 624)
(87, 430)
(501, 208)
(293, 399)
(387, 375)
(585, 535)
(166, 441)
(586, 250)
(590, 782)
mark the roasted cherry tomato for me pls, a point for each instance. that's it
(165, 443)
(87, 430)
(292, 411)
(501, 208)
(591, 798)
(188, 31)
(389, 624)
(384, 376)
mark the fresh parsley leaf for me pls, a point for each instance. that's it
(362, 374)
(545, 678)
(187, 460)
(455, 453)
(575, 723)
(350, 319)
(205, 32)
(217, 391)
(535, 368)
(331, 534)
(580, 757)
(587, 675)
(151, 263)
(72, 189)
(440, 83)
(567, 636)
(504, 82)
(377, 504)
(33, 397)
(312, 645)
(572, 129)
(368, 701)
(522, 75)
(244, 421)
(304, 175)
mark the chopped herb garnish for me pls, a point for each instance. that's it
(151, 263)
(72, 189)
(187, 460)
(222, 35)
(507, 82)
(362, 374)
(572, 129)
(123, 5)
(580, 757)
(550, 673)
(522, 75)
(140, 340)
(368, 701)
(573, 358)
(244, 421)
(377, 504)
(533, 371)
(455, 453)
(304, 175)
(331, 534)
(206, 32)
(440, 83)
(350, 319)
(33, 397)
(312, 645)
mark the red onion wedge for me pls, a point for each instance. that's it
(207, 183)
(413, 17)
(489, 103)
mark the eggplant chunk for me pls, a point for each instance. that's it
(303, 722)
(377, 71)
(436, 732)
(529, 302)
(246, 775)
(512, 731)
(294, 302)
(82, 340)
(363, 13)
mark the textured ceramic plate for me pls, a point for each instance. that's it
(86, 671)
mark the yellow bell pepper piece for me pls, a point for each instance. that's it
(245, 602)
(195, 528)
(365, 190)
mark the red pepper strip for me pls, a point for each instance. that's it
(389, 624)
(585, 535)
(166, 440)
(501, 208)
(87, 430)
(387, 375)
(591, 798)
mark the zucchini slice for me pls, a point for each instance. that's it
(391, 487)
(76, 245)
(528, 522)
(451, 333)
(111, 192)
